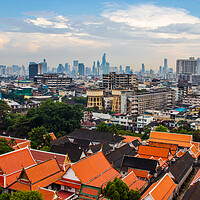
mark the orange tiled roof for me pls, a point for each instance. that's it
(47, 194)
(181, 140)
(194, 151)
(130, 138)
(12, 163)
(140, 173)
(180, 153)
(94, 170)
(138, 185)
(153, 151)
(41, 175)
(172, 147)
(162, 189)
(17, 140)
(130, 178)
(133, 182)
(196, 144)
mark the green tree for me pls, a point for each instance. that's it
(39, 138)
(118, 190)
(57, 117)
(113, 129)
(102, 127)
(21, 126)
(26, 195)
(196, 136)
(134, 195)
(4, 111)
(5, 146)
(161, 128)
(5, 196)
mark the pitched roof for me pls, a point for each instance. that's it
(140, 173)
(139, 163)
(133, 182)
(181, 167)
(106, 148)
(173, 147)
(194, 151)
(73, 151)
(161, 190)
(94, 170)
(48, 194)
(129, 139)
(13, 162)
(95, 136)
(41, 156)
(181, 140)
(60, 141)
(42, 175)
(153, 151)
(115, 157)
(193, 192)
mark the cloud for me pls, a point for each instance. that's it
(150, 16)
(58, 22)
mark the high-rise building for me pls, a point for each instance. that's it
(60, 68)
(44, 66)
(105, 65)
(35, 69)
(123, 81)
(165, 68)
(81, 69)
(143, 68)
(75, 65)
(93, 68)
(160, 70)
(67, 67)
(128, 69)
(98, 68)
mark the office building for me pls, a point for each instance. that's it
(44, 66)
(81, 69)
(137, 103)
(67, 67)
(165, 68)
(115, 81)
(52, 80)
(128, 70)
(35, 69)
(75, 65)
(60, 68)
(143, 68)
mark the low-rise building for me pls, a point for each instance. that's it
(144, 121)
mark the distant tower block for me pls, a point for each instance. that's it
(95, 98)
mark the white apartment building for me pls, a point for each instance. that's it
(144, 121)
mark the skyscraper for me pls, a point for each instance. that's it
(75, 65)
(93, 68)
(98, 68)
(44, 66)
(60, 68)
(143, 68)
(35, 69)
(81, 69)
(128, 70)
(67, 67)
(165, 68)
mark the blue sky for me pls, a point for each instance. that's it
(131, 32)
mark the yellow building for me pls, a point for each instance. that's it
(95, 98)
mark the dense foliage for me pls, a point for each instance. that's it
(118, 190)
(56, 117)
(21, 195)
(161, 128)
(117, 129)
(5, 146)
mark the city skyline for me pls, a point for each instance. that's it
(130, 33)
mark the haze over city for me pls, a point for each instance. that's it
(130, 32)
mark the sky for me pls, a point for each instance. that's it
(130, 32)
